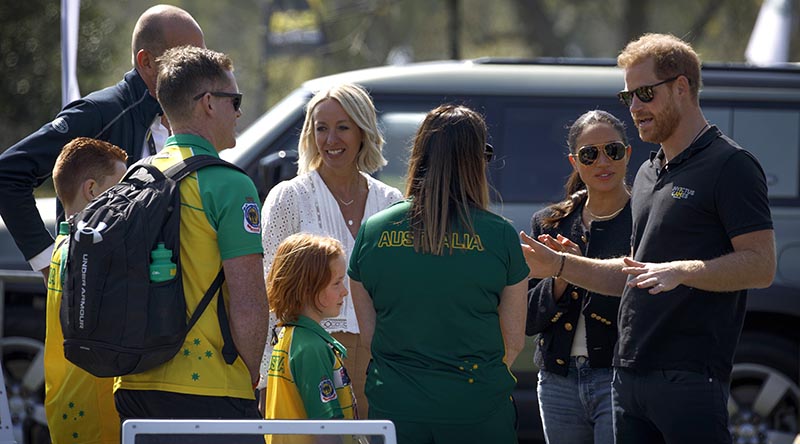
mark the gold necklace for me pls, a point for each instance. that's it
(606, 217)
(346, 203)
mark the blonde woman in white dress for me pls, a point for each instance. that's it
(340, 146)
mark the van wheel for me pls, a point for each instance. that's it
(23, 371)
(764, 402)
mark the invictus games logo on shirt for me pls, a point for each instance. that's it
(252, 220)
(681, 192)
(327, 392)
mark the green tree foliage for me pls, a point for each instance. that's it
(30, 65)
(27, 79)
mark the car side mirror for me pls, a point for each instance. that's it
(277, 167)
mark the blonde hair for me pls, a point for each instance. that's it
(359, 107)
(82, 159)
(300, 271)
(446, 175)
(672, 56)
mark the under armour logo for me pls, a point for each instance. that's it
(95, 232)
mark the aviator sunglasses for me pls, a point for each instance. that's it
(644, 93)
(587, 154)
(237, 97)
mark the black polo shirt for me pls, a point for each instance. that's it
(690, 209)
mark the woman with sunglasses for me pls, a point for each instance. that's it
(340, 146)
(441, 283)
(578, 329)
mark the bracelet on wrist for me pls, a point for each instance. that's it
(561, 267)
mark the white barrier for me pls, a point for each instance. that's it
(378, 431)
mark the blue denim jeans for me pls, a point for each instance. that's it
(576, 409)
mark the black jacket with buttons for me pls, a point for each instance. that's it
(555, 322)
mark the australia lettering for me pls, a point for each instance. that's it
(276, 364)
(396, 238)
(455, 241)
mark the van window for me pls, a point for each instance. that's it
(526, 133)
(398, 129)
(533, 146)
(772, 136)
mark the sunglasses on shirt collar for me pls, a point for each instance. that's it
(587, 154)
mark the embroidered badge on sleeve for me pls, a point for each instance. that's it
(327, 392)
(60, 125)
(252, 220)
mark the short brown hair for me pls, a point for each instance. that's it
(672, 56)
(83, 159)
(184, 72)
(300, 271)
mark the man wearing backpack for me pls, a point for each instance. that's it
(126, 115)
(219, 228)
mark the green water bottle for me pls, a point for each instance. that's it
(162, 268)
(63, 230)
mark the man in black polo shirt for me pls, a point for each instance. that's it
(702, 235)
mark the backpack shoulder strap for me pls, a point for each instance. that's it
(228, 346)
(189, 165)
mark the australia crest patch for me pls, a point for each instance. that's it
(327, 392)
(252, 219)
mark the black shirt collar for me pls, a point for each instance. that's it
(657, 157)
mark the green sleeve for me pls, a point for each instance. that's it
(311, 361)
(231, 205)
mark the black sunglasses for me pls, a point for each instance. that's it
(488, 152)
(237, 97)
(644, 93)
(587, 154)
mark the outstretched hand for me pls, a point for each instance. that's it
(657, 277)
(542, 260)
(561, 244)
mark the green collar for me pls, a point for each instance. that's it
(199, 144)
(306, 322)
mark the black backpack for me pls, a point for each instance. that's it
(114, 319)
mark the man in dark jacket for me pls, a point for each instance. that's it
(126, 114)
